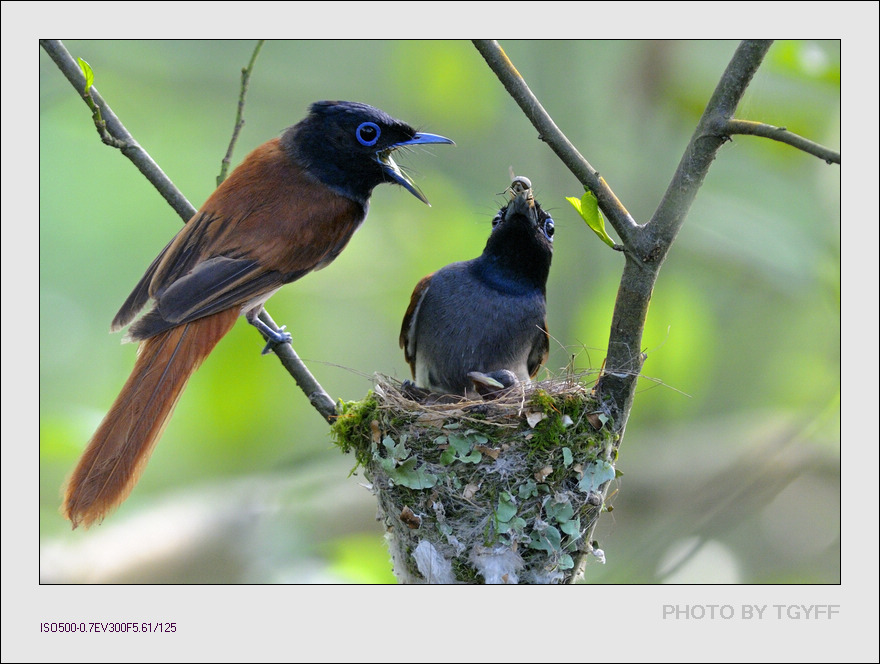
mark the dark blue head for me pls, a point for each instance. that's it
(348, 145)
(520, 247)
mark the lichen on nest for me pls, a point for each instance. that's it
(500, 491)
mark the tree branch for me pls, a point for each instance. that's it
(624, 359)
(317, 396)
(782, 135)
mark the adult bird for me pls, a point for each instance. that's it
(289, 208)
(486, 316)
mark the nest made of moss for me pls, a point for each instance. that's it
(500, 491)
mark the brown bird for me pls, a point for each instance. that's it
(289, 208)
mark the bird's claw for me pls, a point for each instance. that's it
(276, 338)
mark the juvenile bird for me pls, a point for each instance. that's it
(289, 208)
(488, 314)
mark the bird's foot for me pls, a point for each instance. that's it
(276, 339)
(273, 337)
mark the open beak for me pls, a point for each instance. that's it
(390, 167)
(522, 203)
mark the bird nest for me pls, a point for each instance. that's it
(500, 491)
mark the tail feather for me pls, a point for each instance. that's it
(120, 448)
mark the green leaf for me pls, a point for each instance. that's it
(528, 489)
(565, 561)
(87, 72)
(396, 450)
(595, 475)
(560, 512)
(567, 458)
(547, 539)
(460, 444)
(588, 208)
(571, 528)
(473, 457)
(477, 438)
(406, 474)
(506, 508)
(461, 448)
(518, 525)
(388, 465)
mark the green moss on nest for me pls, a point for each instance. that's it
(502, 491)
(351, 430)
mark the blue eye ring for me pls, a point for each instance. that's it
(549, 228)
(368, 134)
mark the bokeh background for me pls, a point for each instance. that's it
(732, 455)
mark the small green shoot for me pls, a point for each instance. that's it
(87, 72)
(588, 208)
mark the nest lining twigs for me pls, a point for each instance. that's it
(499, 491)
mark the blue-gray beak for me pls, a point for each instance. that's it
(390, 167)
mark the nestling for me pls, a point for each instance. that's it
(488, 314)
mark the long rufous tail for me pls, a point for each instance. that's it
(119, 450)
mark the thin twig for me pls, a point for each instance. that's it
(239, 116)
(317, 396)
(782, 135)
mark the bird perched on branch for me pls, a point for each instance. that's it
(289, 208)
(477, 326)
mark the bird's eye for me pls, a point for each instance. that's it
(496, 220)
(549, 228)
(368, 133)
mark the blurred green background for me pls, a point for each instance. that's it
(732, 455)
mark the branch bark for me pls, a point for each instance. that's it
(318, 397)
(782, 135)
